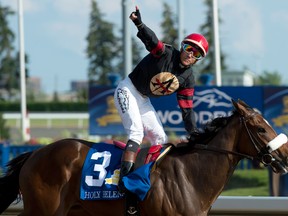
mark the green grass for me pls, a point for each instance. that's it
(44, 123)
(248, 182)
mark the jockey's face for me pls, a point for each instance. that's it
(187, 58)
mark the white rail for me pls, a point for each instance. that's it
(234, 205)
(48, 118)
(65, 115)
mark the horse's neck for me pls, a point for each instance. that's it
(226, 140)
(202, 173)
(219, 165)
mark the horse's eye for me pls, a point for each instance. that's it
(261, 130)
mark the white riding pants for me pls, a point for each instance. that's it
(138, 115)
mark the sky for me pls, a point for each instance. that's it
(252, 34)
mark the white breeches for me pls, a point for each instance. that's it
(138, 115)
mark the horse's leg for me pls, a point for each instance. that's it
(47, 178)
(42, 199)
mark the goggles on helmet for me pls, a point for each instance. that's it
(189, 49)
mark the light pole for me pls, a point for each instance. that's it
(127, 40)
(180, 21)
(217, 59)
(24, 114)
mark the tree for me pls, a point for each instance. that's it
(9, 60)
(207, 65)
(269, 78)
(15, 79)
(6, 35)
(4, 131)
(137, 49)
(168, 25)
(101, 49)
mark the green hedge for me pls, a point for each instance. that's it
(46, 107)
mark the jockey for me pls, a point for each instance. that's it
(163, 71)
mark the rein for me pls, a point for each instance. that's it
(224, 151)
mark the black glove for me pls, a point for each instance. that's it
(138, 20)
(195, 134)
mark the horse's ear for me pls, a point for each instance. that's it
(240, 108)
(234, 102)
(244, 104)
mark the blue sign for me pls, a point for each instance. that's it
(276, 108)
(209, 103)
(103, 115)
(276, 112)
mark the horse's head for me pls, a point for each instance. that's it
(267, 147)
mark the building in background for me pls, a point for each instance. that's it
(78, 85)
(34, 84)
(238, 78)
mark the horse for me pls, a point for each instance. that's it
(186, 182)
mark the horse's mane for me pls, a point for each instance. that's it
(211, 129)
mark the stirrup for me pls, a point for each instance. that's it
(131, 205)
(132, 210)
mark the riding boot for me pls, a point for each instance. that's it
(127, 163)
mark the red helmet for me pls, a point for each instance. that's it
(199, 40)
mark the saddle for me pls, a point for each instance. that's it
(147, 154)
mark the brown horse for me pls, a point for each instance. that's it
(187, 181)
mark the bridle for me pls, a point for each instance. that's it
(263, 153)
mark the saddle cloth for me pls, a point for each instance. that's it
(101, 170)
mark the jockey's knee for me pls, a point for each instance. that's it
(159, 139)
(162, 139)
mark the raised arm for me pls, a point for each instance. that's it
(146, 35)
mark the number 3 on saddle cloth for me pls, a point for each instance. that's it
(101, 170)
